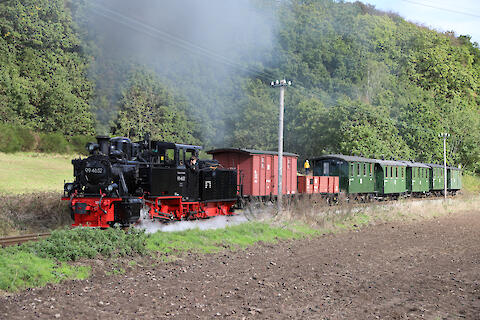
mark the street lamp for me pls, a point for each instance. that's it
(444, 135)
(280, 84)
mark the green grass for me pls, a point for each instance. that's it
(471, 183)
(234, 237)
(26, 172)
(21, 269)
(37, 263)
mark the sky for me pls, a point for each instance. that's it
(460, 16)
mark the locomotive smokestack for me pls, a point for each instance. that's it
(103, 143)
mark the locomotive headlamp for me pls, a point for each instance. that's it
(91, 147)
(111, 187)
(68, 187)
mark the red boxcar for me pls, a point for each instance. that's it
(258, 170)
(317, 184)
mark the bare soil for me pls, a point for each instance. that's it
(427, 269)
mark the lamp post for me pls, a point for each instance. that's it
(280, 84)
(444, 135)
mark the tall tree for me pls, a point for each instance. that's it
(43, 82)
(149, 107)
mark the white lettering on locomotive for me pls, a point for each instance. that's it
(94, 170)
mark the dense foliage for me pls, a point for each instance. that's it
(148, 107)
(365, 82)
(43, 82)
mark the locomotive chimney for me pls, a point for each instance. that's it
(103, 143)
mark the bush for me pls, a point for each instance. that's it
(17, 138)
(27, 137)
(53, 142)
(70, 245)
(78, 143)
(11, 142)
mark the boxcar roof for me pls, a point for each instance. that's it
(415, 164)
(249, 151)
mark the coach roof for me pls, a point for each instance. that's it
(415, 164)
(361, 159)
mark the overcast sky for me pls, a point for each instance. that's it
(461, 16)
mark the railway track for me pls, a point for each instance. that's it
(13, 240)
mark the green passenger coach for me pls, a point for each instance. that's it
(356, 174)
(454, 179)
(391, 177)
(418, 177)
(437, 180)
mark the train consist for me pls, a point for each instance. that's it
(120, 178)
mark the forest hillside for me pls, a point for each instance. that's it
(364, 81)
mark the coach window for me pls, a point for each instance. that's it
(351, 170)
(402, 171)
(386, 172)
(358, 169)
(364, 169)
(371, 169)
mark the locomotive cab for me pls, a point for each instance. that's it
(168, 173)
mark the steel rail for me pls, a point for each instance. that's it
(13, 240)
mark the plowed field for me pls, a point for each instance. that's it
(428, 269)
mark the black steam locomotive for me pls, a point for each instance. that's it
(120, 177)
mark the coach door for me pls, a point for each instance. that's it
(326, 168)
(268, 175)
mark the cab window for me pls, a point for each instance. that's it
(170, 156)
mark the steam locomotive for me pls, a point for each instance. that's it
(120, 178)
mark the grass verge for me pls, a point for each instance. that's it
(20, 270)
(232, 237)
(347, 216)
(471, 183)
(37, 263)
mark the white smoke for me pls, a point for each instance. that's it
(152, 226)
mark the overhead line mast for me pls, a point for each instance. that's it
(280, 84)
